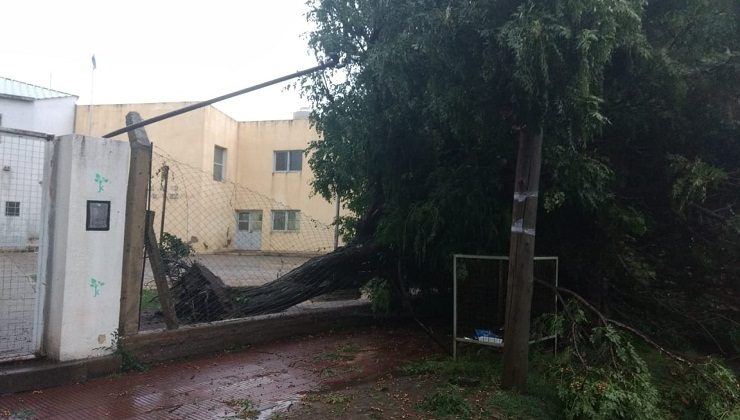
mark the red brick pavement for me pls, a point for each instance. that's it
(272, 376)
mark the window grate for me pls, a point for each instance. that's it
(12, 208)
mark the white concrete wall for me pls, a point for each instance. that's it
(82, 269)
(17, 114)
(54, 116)
(51, 116)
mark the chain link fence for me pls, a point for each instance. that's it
(21, 173)
(219, 238)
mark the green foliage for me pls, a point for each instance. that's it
(638, 104)
(174, 252)
(602, 374)
(342, 352)
(129, 362)
(150, 300)
(602, 389)
(692, 179)
(710, 390)
(380, 294)
(517, 406)
(447, 401)
(245, 408)
(481, 365)
(337, 398)
(173, 248)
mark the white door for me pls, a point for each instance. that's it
(248, 229)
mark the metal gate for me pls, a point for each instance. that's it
(21, 308)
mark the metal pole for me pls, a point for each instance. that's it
(89, 106)
(165, 175)
(336, 222)
(332, 62)
(454, 307)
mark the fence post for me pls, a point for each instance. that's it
(133, 240)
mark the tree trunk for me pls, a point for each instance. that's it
(198, 298)
(349, 266)
(521, 260)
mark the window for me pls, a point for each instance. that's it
(250, 220)
(219, 163)
(286, 220)
(288, 161)
(12, 208)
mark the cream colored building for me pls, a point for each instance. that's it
(231, 185)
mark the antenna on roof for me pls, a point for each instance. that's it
(89, 106)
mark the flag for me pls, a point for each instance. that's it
(95, 65)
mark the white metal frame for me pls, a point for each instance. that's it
(455, 338)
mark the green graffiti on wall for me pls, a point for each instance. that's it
(101, 180)
(96, 285)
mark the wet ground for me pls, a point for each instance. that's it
(257, 382)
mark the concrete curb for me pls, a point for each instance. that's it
(38, 374)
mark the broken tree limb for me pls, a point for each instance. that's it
(607, 321)
(201, 296)
(346, 267)
(155, 261)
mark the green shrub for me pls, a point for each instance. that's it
(518, 406)
(447, 401)
(710, 390)
(380, 294)
(614, 383)
(173, 251)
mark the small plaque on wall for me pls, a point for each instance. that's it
(98, 215)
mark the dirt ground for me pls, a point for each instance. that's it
(388, 397)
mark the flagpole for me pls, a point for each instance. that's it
(89, 106)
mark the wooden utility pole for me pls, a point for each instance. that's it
(133, 236)
(521, 260)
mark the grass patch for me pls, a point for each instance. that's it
(483, 365)
(328, 373)
(517, 406)
(451, 400)
(447, 401)
(245, 408)
(150, 300)
(342, 352)
(311, 397)
(337, 398)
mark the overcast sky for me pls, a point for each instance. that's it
(159, 50)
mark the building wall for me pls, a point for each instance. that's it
(17, 114)
(54, 116)
(203, 211)
(258, 142)
(51, 116)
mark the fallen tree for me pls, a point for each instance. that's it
(201, 296)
